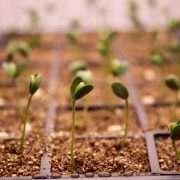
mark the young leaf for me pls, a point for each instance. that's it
(86, 75)
(118, 67)
(173, 82)
(103, 48)
(82, 91)
(34, 83)
(76, 81)
(175, 130)
(120, 90)
(76, 66)
(157, 57)
(10, 69)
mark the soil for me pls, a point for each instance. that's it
(11, 124)
(150, 82)
(15, 163)
(97, 155)
(160, 117)
(167, 158)
(98, 122)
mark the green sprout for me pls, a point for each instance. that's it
(15, 47)
(33, 17)
(33, 87)
(78, 90)
(158, 59)
(175, 136)
(174, 25)
(104, 47)
(121, 91)
(118, 67)
(133, 15)
(173, 82)
(87, 77)
(174, 48)
(76, 66)
(13, 71)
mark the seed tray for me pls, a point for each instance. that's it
(45, 166)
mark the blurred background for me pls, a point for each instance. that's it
(92, 15)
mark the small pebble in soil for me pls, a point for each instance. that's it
(55, 176)
(89, 175)
(40, 176)
(3, 135)
(75, 175)
(104, 174)
(128, 174)
(149, 75)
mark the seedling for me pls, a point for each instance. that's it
(13, 71)
(76, 66)
(104, 48)
(33, 87)
(158, 59)
(15, 47)
(173, 82)
(78, 90)
(133, 15)
(118, 67)
(174, 25)
(175, 136)
(87, 77)
(174, 48)
(121, 91)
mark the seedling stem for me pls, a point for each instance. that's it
(175, 149)
(24, 123)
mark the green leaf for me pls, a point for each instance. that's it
(34, 83)
(118, 67)
(120, 90)
(173, 82)
(86, 76)
(157, 58)
(103, 48)
(76, 81)
(76, 66)
(82, 91)
(175, 130)
(10, 69)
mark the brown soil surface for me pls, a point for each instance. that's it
(150, 81)
(11, 124)
(160, 117)
(15, 163)
(98, 122)
(167, 158)
(97, 155)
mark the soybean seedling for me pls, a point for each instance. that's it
(78, 90)
(13, 71)
(76, 66)
(87, 77)
(175, 136)
(104, 48)
(117, 68)
(158, 59)
(173, 82)
(33, 87)
(121, 91)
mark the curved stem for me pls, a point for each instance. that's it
(175, 149)
(24, 121)
(126, 122)
(73, 134)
